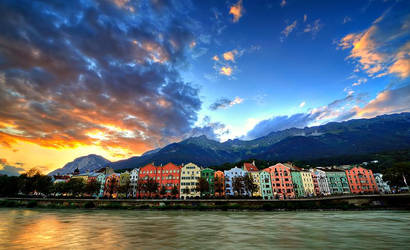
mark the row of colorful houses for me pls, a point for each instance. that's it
(280, 181)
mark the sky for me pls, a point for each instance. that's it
(120, 77)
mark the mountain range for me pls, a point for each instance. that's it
(353, 137)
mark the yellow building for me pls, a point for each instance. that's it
(307, 181)
(256, 180)
(190, 173)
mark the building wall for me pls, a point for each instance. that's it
(221, 176)
(229, 176)
(298, 184)
(149, 171)
(308, 183)
(361, 180)
(169, 177)
(256, 181)
(112, 183)
(134, 181)
(322, 182)
(266, 185)
(337, 181)
(190, 173)
(101, 181)
(209, 175)
(282, 185)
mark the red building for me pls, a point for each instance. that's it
(169, 177)
(282, 184)
(148, 172)
(361, 180)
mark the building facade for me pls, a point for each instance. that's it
(148, 171)
(321, 181)
(209, 175)
(282, 185)
(254, 172)
(190, 173)
(308, 185)
(361, 180)
(297, 184)
(112, 184)
(134, 182)
(230, 176)
(381, 184)
(265, 185)
(170, 179)
(219, 183)
(337, 181)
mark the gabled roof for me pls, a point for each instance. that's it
(250, 167)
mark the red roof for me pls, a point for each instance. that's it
(250, 167)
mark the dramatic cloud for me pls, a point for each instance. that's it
(212, 130)
(384, 47)
(237, 11)
(288, 29)
(387, 102)
(94, 73)
(7, 169)
(224, 103)
(338, 110)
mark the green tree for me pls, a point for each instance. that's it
(397, 173)
(151, 186)
(202, 186)
(163, 191)
(219, 185)
(124, 189)
(237, 185)
(174, 191)
(249, 184)
(75, 186)
(92, 187)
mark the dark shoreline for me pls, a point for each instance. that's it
(352, 202)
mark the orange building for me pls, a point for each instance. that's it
(361, 180)
(282, 184)
(219, 183)
(169, 177)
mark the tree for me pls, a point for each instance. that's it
(163, 191)
(43, 184)
(139, 187)
(75, 186)
(249, 184)
(174, 191)
(9, 185)
(60, 188)
(237, 185)
(124, 188)
(202, 186)
(397, 173)
(219, 185)
(112, 187)
(151, 186)
(92, 187)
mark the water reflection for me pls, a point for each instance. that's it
(78, 229)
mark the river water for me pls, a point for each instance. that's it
(123, 229)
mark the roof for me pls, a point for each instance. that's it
(250, 167)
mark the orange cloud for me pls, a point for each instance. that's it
(215, 58)
(237, 11)
(230, 55)
(226, 70)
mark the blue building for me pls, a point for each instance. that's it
(230, 175)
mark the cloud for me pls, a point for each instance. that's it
(288, 29)
(230, 55)
(215, 58)
(346, 19)
(226, 70)
(237, 11)
(305, 18)
(302, 104)
(360, 81)
(283, 3)
(383, 48)
(313, 28)
(7, 169)
(212, 130)
(387, 102)
(95, 74)
(224, 103)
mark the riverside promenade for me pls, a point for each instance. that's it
(348, 202)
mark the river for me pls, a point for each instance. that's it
(130, 229)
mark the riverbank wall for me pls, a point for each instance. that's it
(354, 202)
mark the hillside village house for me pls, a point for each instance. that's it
(190, 173)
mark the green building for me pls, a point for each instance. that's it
(337, 180)
(209, 175)
(265, 185)
(297, 184)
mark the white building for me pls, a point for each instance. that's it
(134, 181)
(190, 173)
(322, 181)
(381, 184)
